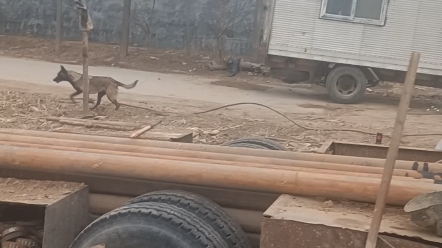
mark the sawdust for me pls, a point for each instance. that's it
(35, 192)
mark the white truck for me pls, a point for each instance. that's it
(349, 45)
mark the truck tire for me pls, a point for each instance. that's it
(205, 209)
(149, 225)
(346, 84)
(256, 143)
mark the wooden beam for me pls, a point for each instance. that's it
(209, 175)
(125, 28)
(269, 8)
(58, 26)
(393, 151)
(257, 29)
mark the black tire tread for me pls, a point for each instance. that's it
(250, 146)
(258, 141)
(204, 208)
(199, 230)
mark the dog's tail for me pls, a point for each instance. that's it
(127, 86)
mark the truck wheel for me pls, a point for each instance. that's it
(205, 209)
(256, 143)
(346, 84)
(149, 225)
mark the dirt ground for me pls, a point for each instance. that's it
(26, 106)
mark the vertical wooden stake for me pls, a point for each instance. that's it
(258, 23)
(85, 37)
(393, 151)
(58, 26)
(188, 9)
(125, 27)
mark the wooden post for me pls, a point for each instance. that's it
(393, 151)
(58, 26)
(85, 26)
(257, 29)
(268, 10)
(188, 9)
(125, 29)
(85, 37)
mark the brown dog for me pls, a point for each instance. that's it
(97, 85)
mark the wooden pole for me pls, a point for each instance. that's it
(58, 26)
(125, 28)
(85, 71)
(85, 26)
(393, 151)
(257, 29)
(208, 175)
(120, 186)
(184, 159)
(223, 150)
(197, 156)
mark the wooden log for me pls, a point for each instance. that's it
(148, 155)
(241, 199)
(192, 155)
(213, 175)
(370, 162)
(249, 220)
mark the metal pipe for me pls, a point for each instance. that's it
(372, 162)
(193, 156)
(210, 175)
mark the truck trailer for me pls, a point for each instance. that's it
(349, 45)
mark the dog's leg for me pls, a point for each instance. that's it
(111, 94)
(74, 95)
(99, 96)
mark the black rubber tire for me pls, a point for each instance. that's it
(205, 209)
(340, 71)
(257, 143)
(251, 146)
(149, 224)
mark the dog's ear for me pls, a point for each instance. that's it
(63, 69)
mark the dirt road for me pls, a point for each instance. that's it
(27, 86)
(189, 87)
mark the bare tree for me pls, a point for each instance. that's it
(143, 19)
(226, 19)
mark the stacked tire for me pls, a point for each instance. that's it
(166, 219)
(256, 143)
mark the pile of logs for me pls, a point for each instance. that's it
(244, 181)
